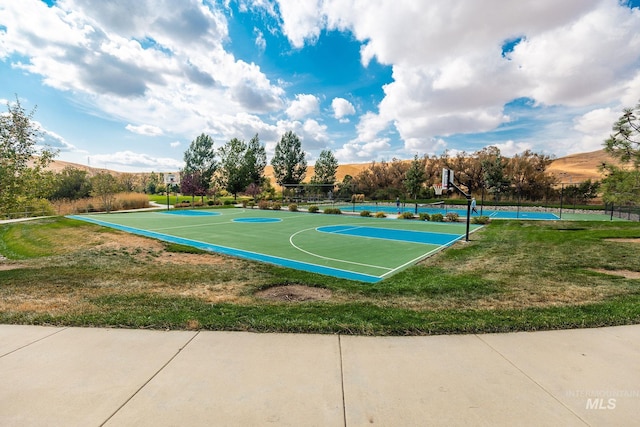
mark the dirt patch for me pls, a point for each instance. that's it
(627, 274)
(294, 293)
(624, 240)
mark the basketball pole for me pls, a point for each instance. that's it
(446, 173)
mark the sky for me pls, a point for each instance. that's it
(128, 84)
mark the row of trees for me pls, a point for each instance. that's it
(238, 167)
(524, 175)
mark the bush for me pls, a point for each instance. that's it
(313, 209)
(263, 204)
(228, 202)
(210, 202)
(437, 217)
(480, 219)
(276, 206)
(406, 215)
(293, 207)
(381, 215)
(452, 216)
(251, 204)
(365, 213)
(332, 211)
(424, 217)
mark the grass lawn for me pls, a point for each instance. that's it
(512, 275)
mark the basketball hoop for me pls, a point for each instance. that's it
(437, 188)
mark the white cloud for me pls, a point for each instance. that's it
(155, 62)
(129, 160)
(511, 148)
(303, 105)
(342, 107)
(175, 144)
(148, 130)
(449, 72)
(260, 42)
(594, 127)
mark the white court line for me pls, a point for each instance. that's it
(328, 258)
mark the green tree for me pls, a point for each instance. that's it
(325, 171)
(493, 174)
(415, 177)
(105, 186)
(233, 172)
(18, 147)
(325, 168)
(72, 184)
(289, 163)
(255, 160)
(201, 162)
(621, 185)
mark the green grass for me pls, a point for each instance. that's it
(512, 276)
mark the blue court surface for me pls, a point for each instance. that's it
(462, 212)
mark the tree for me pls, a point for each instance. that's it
(18, 146)
(191, 184)
(289, 163)
(72, 184)
(325, 171)
(493, 174)
(255, 160)
(233, 172)
(415, 177)
(325, 168)
(621, 184)
(200, 158)
(624, 143)
(105, 186)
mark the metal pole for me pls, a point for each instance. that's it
(468, 217)
(561, 196)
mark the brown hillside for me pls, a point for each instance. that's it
(580, 167)
(572, 168)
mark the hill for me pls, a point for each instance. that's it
(572, 168)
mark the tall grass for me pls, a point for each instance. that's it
(123, 201)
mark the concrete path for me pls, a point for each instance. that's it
(116, 377)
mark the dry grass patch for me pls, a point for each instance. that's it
(294, 293)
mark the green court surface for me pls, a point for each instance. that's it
(351, 247)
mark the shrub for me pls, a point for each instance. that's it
(293, 207)
(313, 209)
(332, 211)
(381, 215)
(424, 217)
(263, 204)
(480, 219)
(210, 202)
(228, 202)
(244, 203)
(437, 217)
(452, 216)
(276, 206)
(406, 215)
(365, 213)
(251, 204)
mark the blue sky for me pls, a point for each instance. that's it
(128, 84)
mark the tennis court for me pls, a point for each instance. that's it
(345, 246)
(462, 212)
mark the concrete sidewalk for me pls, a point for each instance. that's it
(115, 377)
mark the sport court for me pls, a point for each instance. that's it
(344, 246)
